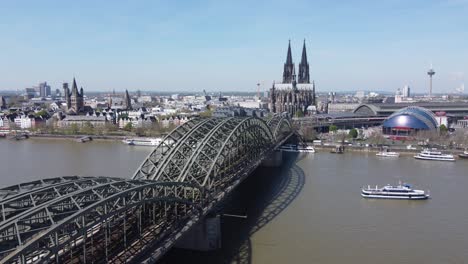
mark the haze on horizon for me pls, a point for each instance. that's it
(232, 46)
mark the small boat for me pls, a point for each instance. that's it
(386, 153)
(296, 148)
(20, 137)
(401, 192)
(463, 155)
(433, 154)
(84, 139)
(142, 141)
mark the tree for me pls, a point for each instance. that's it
(353, 133)
(377, 138)
(333, 128)
(42, 113)
(308, 133)
(128, 127)
(74, 128)
(140, 131)
(87, 128)
(207, 113)
(443, 129)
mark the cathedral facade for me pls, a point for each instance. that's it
(293, 96)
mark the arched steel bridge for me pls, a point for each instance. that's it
(102, 219)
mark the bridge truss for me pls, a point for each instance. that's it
(103, 219)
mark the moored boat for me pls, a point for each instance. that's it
(386, 153)
(401, 192)
(463, 155)
(142, 141)
(296, 148)
(434, 154)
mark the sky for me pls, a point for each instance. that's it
(217, 45)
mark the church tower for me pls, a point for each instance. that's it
(76, 98)
(304, 76)
(127, 101)
(288, 67)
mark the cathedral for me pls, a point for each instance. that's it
(293, 96)
(74, 98)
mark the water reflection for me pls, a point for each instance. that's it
(262, 197)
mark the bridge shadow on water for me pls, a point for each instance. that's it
(261, 197)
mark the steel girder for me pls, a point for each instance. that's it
(20, 198)
(280, 125)
(170, 141)
(193, 158)
(91, 223)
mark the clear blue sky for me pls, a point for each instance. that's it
(231, 45)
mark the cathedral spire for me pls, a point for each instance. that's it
(289, 56)
(304, 54)
(304, 76)
(288, 66)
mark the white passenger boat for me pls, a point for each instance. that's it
(142, 141)
(386, 153)
(433, 154)
(296, 148)
(464, 155)
(401, 192)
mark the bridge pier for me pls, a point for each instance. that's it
(205, 236)
(274, 160)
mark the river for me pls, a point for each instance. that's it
(308, 211)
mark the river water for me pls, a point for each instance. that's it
(308, 211)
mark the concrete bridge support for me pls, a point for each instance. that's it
(274, 160)
(205, 236)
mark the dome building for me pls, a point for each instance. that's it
(408, 121)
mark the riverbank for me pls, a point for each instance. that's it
(401, 150)
(76, 137)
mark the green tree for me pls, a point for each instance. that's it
(333, 128)
(42, 113)
(128, 127)
(353, 133)
(443, 129)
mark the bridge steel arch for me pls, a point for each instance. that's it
(192, 159)
(90, 223)
(74, 218)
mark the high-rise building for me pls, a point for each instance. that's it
(293, 96)
(44, 89)
(406, 91)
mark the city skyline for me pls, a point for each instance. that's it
(358, 45)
